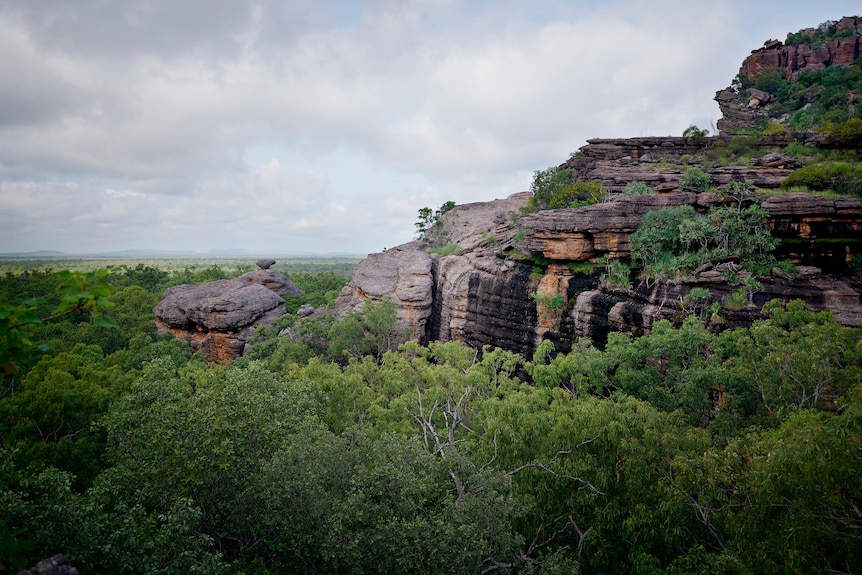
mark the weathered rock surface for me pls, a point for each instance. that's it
(792, 59)
(56, 565)
(519, 279)
(495, 291)
(597, 312)
(217, 317)
(658, 162)
(401, 274)
(455, 297)
(573, 235)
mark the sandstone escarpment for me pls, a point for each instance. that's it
(812, 55)
(518, 279)
(597, 312)
(402, 275)
(498, 290)
(217, 318)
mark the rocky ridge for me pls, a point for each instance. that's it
(491, 294)
(661, 161)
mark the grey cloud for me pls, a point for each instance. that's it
(106, 29)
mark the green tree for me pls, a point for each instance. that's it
(546, 185)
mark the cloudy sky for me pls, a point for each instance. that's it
(323, 126)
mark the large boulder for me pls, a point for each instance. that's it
(402, 275)
(56, 565)
(217, 317)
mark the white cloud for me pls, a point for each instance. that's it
(326, 126)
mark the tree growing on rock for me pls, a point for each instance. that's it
(429, 226)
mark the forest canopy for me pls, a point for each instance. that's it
(682, 451)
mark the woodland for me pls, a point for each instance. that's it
(683, 451)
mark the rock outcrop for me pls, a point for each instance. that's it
(661, 162)
(496, 291)
(806, 50)
(401, 274)
(811, 55)
(517, 279)
(56, 565)
(217, 317)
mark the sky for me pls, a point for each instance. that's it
(324, 126)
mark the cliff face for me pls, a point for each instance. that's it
(660, 162)
(499, 290)
(809, 53)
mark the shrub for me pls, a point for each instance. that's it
(616, 273)
(774, 129)
(447, 250)
(577, 195)
(695, 178)
(676, 240)
(429, 227)
(636, 188)
(695, 134)
(847, 133)
(522, 234)
(842, 177)
(736, 300)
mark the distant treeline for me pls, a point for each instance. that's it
(340, 265)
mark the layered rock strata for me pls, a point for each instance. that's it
(496, 292)
(661, 162)
(794, 58)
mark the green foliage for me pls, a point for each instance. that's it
(447, 250)
(550, 307)
(545, 185)
(429, 226)
(578, 195)
(554, 188)
(842, 177)
(319, 289)
(695, 134)
(49, 416)
(695, 178)
(636, 188)
(673, 241)
(682, 451)
(845, 134)
(80, 293)
(814, 100)
(617, 273)
(659, 234)
(826, 32)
